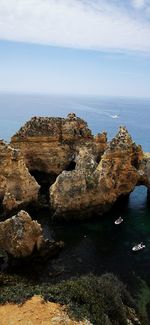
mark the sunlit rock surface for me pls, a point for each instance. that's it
(90, 174)
(20, 236)
(17, 186)
(96, 186)
(50, 144)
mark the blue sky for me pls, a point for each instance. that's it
(75, 47)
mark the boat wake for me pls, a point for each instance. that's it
(114, 116)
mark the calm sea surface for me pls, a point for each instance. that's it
(96, 245)
(97, 111)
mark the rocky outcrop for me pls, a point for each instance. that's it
(51, 144)
(96, 186)
(17, 186)
(144, 170)
(20, 236)
(90, 173)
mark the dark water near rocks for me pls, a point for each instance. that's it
(95, 245)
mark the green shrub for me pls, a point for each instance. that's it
(102, 299)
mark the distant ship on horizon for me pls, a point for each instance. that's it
(114, 116)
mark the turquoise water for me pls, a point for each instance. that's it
(96, 245)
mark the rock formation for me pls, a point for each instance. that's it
(50, 144)
(17, 186)
(20, 236)
(96, 186)
(144, 170)
(90, 173)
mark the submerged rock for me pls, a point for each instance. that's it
(20, 236)
(17, 186)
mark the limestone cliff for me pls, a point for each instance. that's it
(96, 186)
(20, 236)
(91, 173)
(50, 144)
(144, 170)
(17, 186)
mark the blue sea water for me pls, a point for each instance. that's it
(97, 245)
(99, 112)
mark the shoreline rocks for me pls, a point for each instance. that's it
(20, 237)
(96, 186)
(17, 186)
(50, 144)
(87, 173)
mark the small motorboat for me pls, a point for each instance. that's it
(115, 116)
(138, 247)
(118, 221)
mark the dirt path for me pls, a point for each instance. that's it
(36, 312)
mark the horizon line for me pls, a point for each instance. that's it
(37, 93)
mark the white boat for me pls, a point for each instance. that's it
(118, 221)
(115, 116)
(138, 247)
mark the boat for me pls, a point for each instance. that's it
(118, 221)
(138, 247)
(115, 116)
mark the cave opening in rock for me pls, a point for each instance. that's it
(98, 158)
(135, 163)
(133, 204)
(71, 166)
(45, 180)
(138, 198)
(1, 208)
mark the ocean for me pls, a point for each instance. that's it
(96, 245)
(101, 113)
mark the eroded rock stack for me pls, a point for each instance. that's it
(20, 236)
(51, 144)
(91, 174)
(96, 186)
(17, 186)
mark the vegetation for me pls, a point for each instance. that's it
(102, 300)
(143, 298)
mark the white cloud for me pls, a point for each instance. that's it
(95, 24)
(138, 3)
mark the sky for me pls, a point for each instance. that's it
(75, 47)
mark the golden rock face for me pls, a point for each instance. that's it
(19, 235)
(91, 173)
(17, 186)
(50, 144)
(95, 185)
